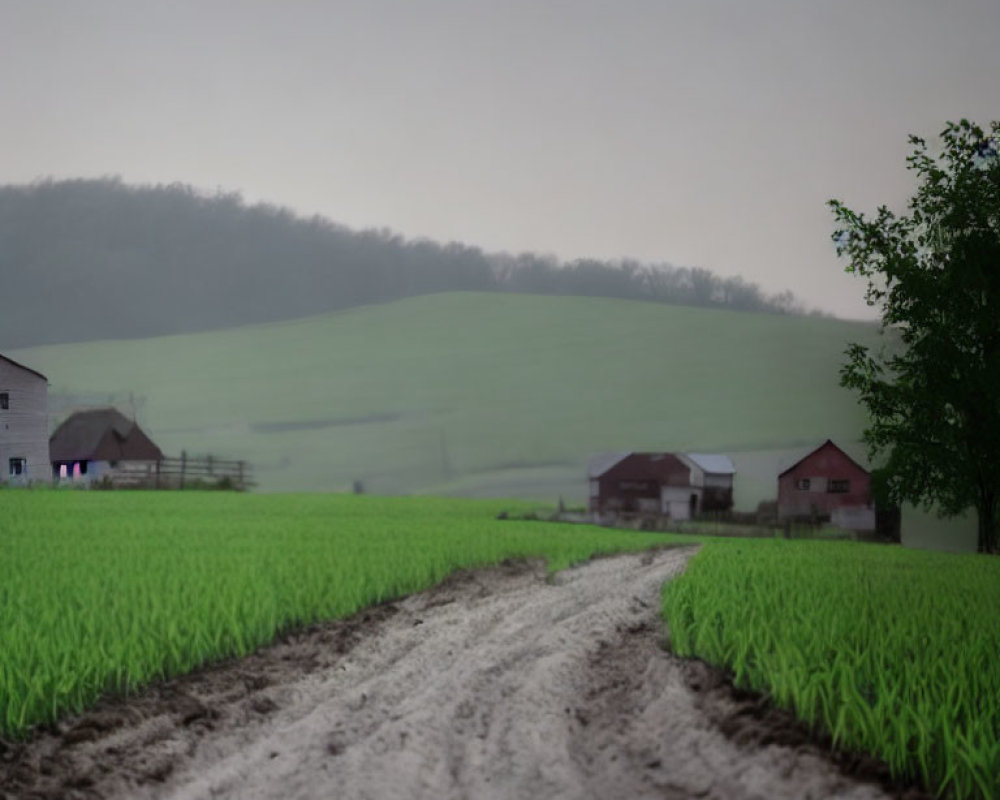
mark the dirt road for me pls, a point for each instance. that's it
(498, 684)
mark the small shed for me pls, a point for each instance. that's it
(24, 424)
(827, 484)
(90, 445)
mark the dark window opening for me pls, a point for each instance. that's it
(4, 401)
(83, 467)
(802, 483)
(840, 487)
(18, 466)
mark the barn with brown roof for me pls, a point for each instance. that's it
(89, 445)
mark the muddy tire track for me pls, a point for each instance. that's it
(499, 683)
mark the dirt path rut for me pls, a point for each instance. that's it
(497, 684)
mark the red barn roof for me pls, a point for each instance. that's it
(664, 468)
(828, 442)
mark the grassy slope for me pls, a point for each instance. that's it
(484, 394)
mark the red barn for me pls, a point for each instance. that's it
(827, 483)
(636, 482)
(676, 485)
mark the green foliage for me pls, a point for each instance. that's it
(107, 591)
(892, 652)
(935, 274)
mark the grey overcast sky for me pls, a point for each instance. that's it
(703, 133)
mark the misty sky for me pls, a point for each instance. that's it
(703, 133)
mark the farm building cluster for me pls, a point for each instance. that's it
(103, 446)
(825, 485)
(92, 446)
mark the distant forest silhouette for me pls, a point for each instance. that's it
(96, 258)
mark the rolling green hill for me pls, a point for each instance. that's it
(477, 393)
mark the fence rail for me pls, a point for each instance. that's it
(186, 471)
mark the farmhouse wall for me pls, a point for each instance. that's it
(24, 424)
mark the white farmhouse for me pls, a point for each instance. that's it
(24, 425)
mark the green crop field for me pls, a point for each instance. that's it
(893, 652)
(478, 394)
(106, 591)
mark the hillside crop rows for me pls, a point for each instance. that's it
(892, 652)
(105, 592)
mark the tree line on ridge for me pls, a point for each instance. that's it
(86, 259)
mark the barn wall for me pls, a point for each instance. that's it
(675, 501)
(624, 494)
(24, 426)
(97, 470)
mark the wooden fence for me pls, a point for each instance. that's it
(186, 471)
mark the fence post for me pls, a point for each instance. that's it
(158, 462)
(184, 457)
(239, 483)
(210, 465)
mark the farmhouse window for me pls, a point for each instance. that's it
(802, 483)
(840, 486)
(4, 401)
(18, 466)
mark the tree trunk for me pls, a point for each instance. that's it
(987, 512)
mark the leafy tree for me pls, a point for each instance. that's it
(933, 393)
